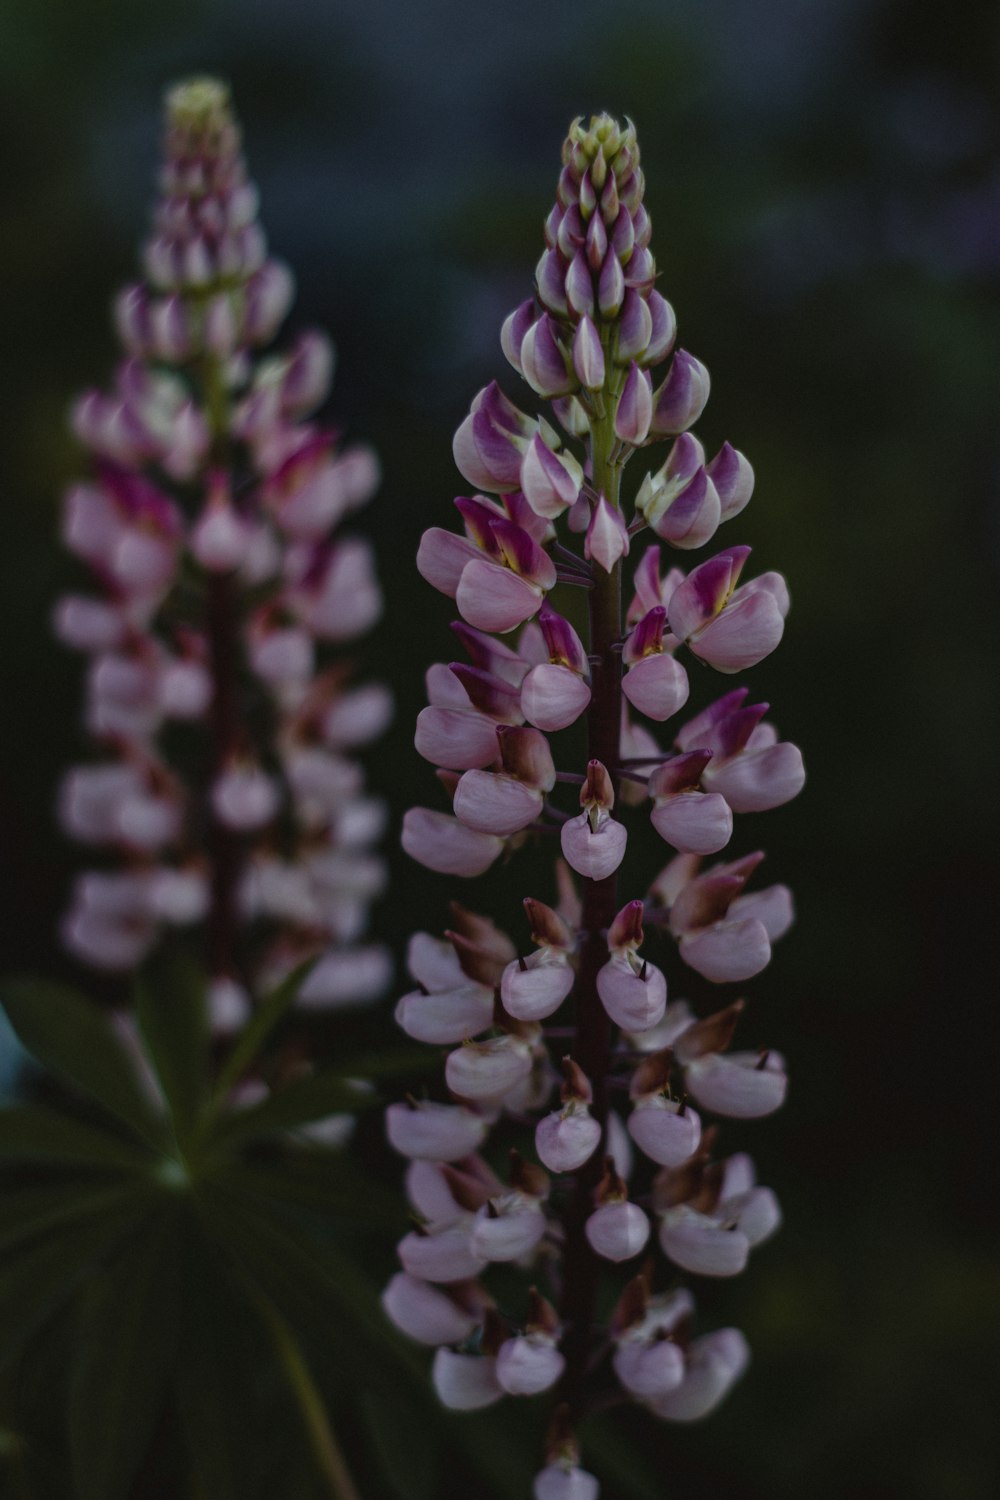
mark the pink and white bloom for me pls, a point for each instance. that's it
(655, 683)
(593, 843)
(632, 991)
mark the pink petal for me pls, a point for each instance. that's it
(441, 557)
(552, 697)
(495, 598)
(694, 822)
(657, 686)
(746, 631)
(444, 844)
(456, 739)
(593, 854)
(758, 780)
(496, 803)
(729, 952)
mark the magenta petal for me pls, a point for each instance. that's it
(746, 631)
(634, 1003)
(424, 1313)
(657, 686)
(494, 598)
(682, 397)
(733, 477)
(536, 991)
(635, 407)
(444, 844)
(662, 1132)
(547, 484)
(496, 803)
(664, 330)
(515, 326)
(736, 1085)
(694, 822)
(594, 855)
(442, 556)
(705, 1248)
(447, 1017)
(553, 697)
(564, 1140)
(455, 738)
(714, 1364)
(758, 780)
(617, 1231)
(728, 952)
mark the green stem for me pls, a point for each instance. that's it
(326, 1451)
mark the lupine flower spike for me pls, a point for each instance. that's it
(221, 595)
(587, 998)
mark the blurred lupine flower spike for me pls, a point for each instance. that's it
(590, 999)
(222, 592)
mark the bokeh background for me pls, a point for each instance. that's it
(824, 183)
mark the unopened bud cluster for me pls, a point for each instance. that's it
(521, 1157)
(223, 788)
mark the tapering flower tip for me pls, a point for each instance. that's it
(245, 798)
(543, 360)
(588, 355)
(635, 407)
(430, 1314)
(664, 332)
(530, 1362)
(618, 1230)
(681, 398)
(606, 541)
(488, 445)
(740, 1085)
(425, 1131)
(550, 482)
(268, 297)
(732, 476)
(465, 1382)
(515, 326)
(486, 1071)
(714, 1364)
(692, 820)
(635, 329)
(564, 1481)
(442, 843)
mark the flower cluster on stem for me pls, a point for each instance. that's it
(223, 713)
(586, 1008)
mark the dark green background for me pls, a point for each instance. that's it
(824, 183)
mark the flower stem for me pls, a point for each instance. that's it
(591, 1047)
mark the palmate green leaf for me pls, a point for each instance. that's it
(296, 1103)
(258, 1029)
(31, 1212)
(319, 1181)
(31, 1133)
(124, 1356)
(36, 1282)
(68, 1034)
(171, 1006)
(328, 1299)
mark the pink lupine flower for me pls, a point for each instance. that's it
(617, 1229)
(559, 525)
(534, 987)
(688, 817)
(465, 1382)
(569, 1137)
(655, 683)
(205, 527)
(731, 628)
(713, 1364)
(665, 1129)
(647, 1360)
(632, 991)
(606, 541)
(593, 843)
(505, 801)
(554, 693)
(425, 1131)
(564, 1481)
(710, 1218)
(432, 1314)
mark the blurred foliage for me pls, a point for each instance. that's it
(824, 184)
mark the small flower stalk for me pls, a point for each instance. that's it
(570, 620)
(224, 789)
